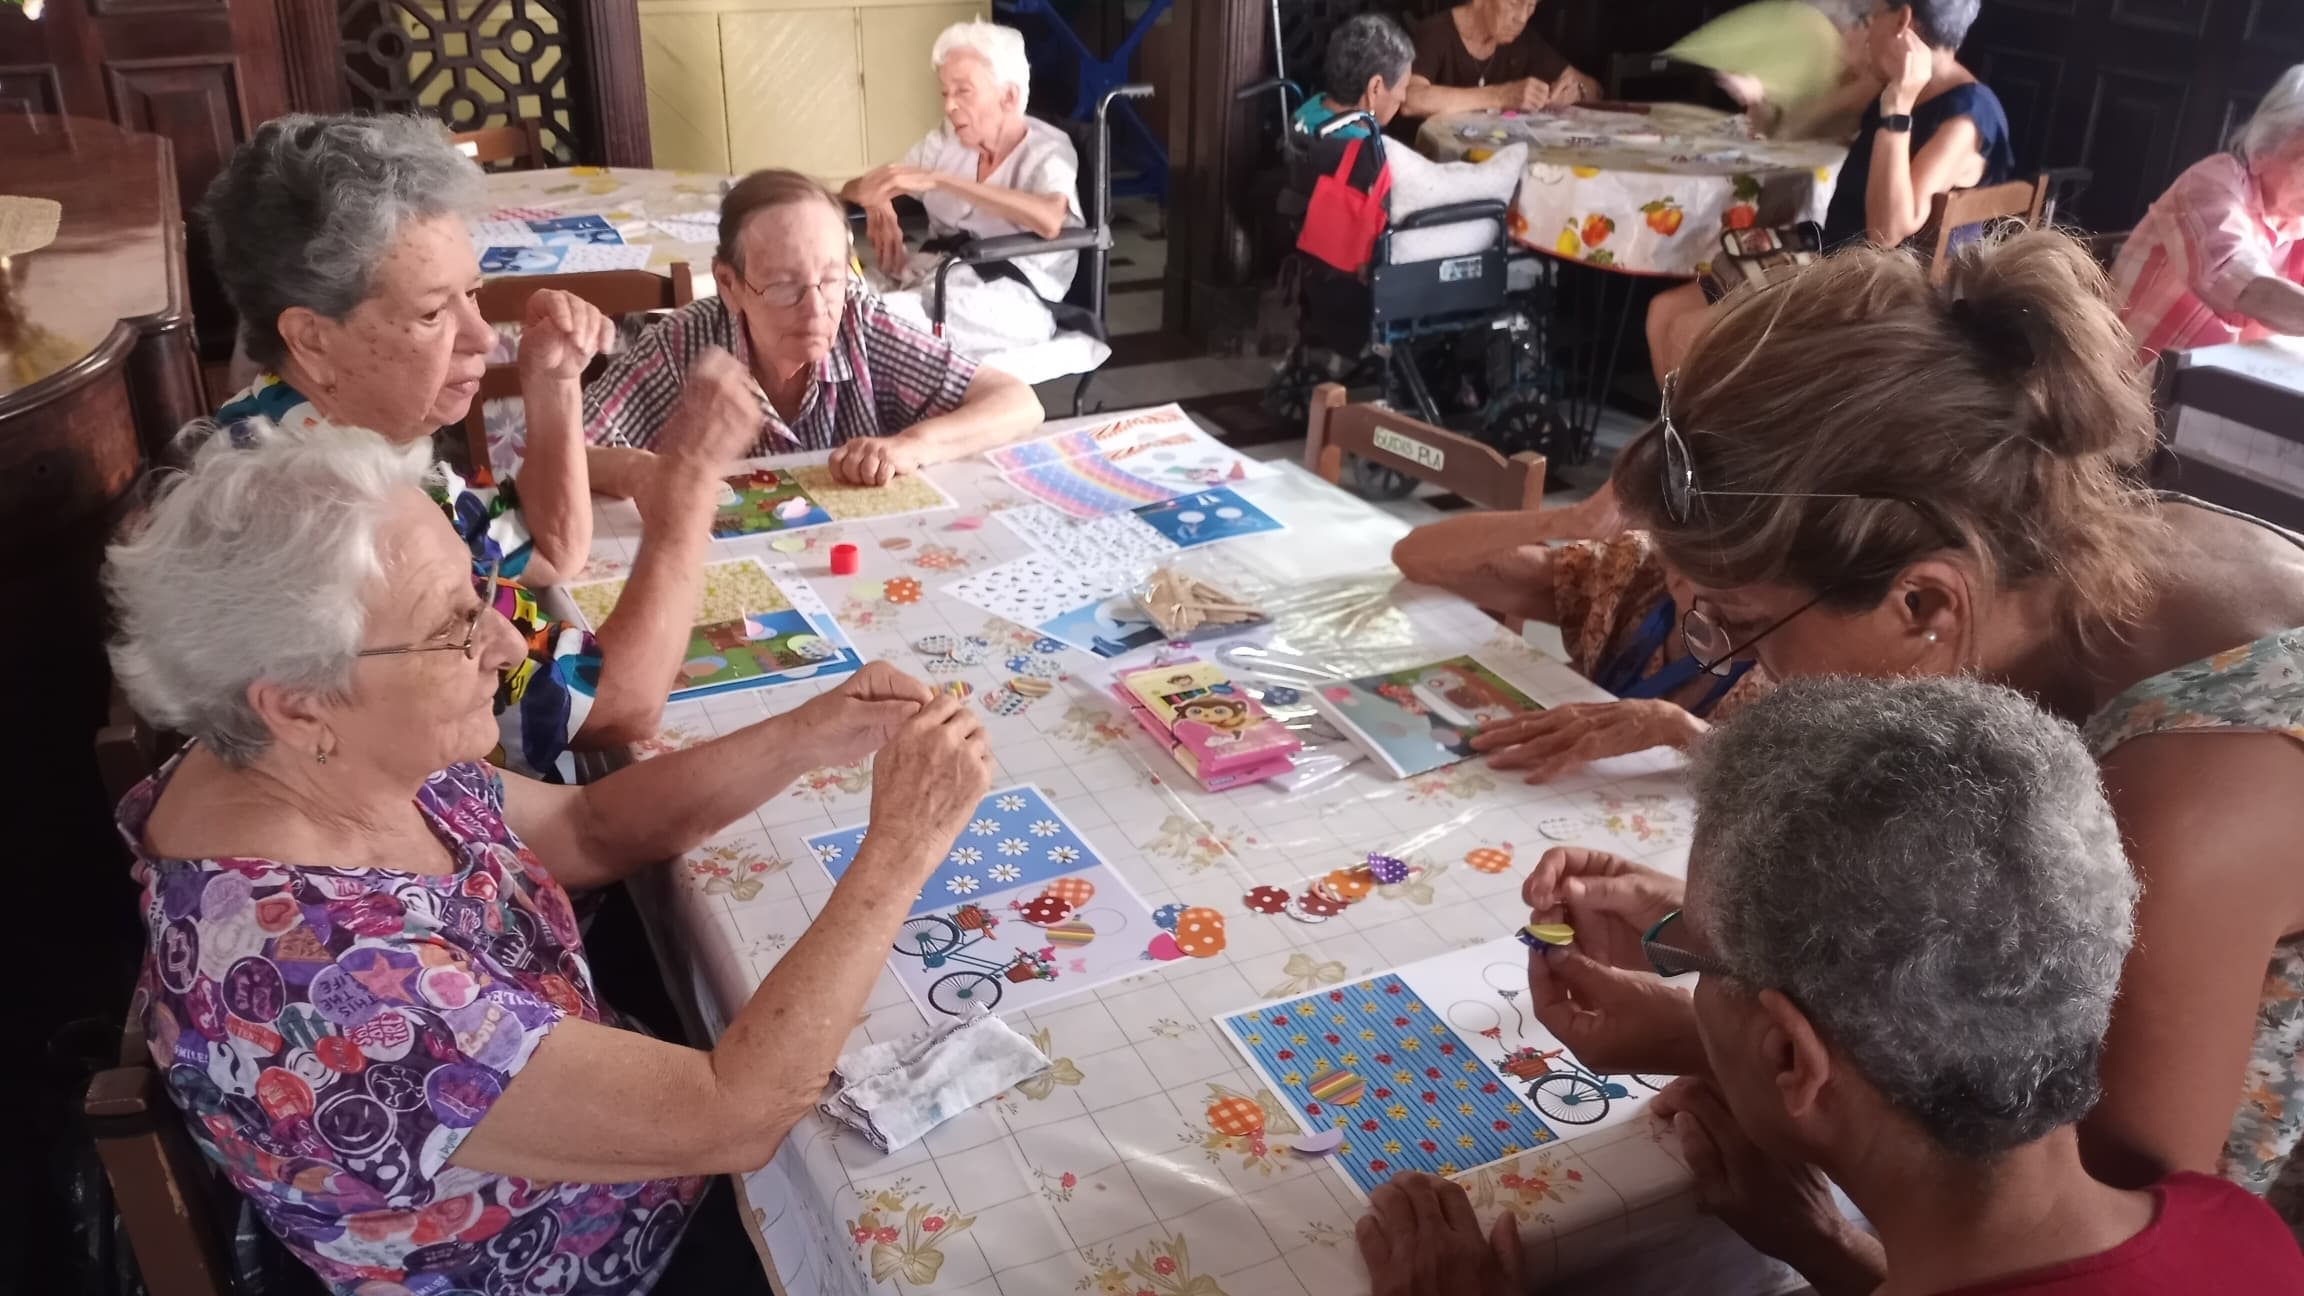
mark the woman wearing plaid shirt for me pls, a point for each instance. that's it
(833, 370)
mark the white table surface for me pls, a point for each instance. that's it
(1107, 1177)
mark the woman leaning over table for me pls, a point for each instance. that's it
(1481, 54)
(2220, 255)
(1873, 475)
(341, 243)
(360, 936)
(831, 368)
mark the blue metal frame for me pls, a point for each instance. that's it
(1098, 76)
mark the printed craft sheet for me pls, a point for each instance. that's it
(1436, 1067)
(1023, 910)
(563, 258)
(759, 626)
(761, 497)
(1149, 532)
(1139, 459)
(1090, 608)
(1423, 718)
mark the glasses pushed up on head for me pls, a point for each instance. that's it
(484, 590)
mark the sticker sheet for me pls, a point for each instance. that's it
(1137, 459)
(1022, 910)
(1036, 590)
(758, 626)
(1435, 1067)
(762, 497)
(564, 258)
(909, 493)
(1148, 533)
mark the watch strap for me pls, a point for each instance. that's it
(1899, 122)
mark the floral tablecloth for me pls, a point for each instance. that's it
(1638, 192)
(1105, 1174)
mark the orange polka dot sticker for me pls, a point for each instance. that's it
(1236, 1116)
(1489, 859)
(901, 589)
(1200, 932)
(1074, 891)
(1349, 884)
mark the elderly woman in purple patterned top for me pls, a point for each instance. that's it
(386, 919)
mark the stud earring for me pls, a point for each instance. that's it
(1930, 636)
(320, 756)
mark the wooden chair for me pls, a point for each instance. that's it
(616, 293)
(1455, 462)
(2013, 200)
(521, 143)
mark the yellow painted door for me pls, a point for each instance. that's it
(795, 94)
(687, 117)
(901, 101)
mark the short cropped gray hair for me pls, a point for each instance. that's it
(1369, 45)
(253, 564)
(1941, 23)
(1001, 48)
(305, 209)
(1928, 867)
(2277, 118)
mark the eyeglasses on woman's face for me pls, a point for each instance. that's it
(1710, 643)
(483, 592)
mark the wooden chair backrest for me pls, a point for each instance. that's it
(161, 1185)
(615, 293)
(1450, 460)
(1957, 210)
(522, 142)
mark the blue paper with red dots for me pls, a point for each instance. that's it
(1427, 1097)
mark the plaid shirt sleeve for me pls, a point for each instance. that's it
(628, 404)
(915, 374)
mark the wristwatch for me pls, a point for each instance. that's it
(1901, 123)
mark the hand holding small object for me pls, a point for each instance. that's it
(856, 718)
(929, 778)
(1610, 901)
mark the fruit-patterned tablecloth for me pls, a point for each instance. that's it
(1644, 192)
(1113, 1173)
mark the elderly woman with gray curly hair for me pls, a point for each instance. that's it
(360, 936)
(341, 243)
(1909, 908)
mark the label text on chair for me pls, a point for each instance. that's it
(1414, 451)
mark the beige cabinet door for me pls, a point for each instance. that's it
(687, 117)
(795, 92)
(901, 99)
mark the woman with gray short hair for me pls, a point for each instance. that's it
(1364, 70)
(360, 936)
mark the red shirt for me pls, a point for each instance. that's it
(2208, 1237)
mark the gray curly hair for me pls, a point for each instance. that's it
(1928, 867)
(305, 209)
(1367, 45)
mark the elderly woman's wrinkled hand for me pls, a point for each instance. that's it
(559, 334)
(1611, 1019)
(887, 236)
(1784, 1210)
(1553, 741)
(1609, 900)
(929, 777)
(1420, 1238)
(873, 461)
(718, 416)
(857, 718)
(1527, 94)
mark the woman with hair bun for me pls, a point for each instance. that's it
(1867, 474)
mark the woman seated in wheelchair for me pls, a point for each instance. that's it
(1365, 71)
(1934, 128)
(365, 984)
(989, 171)
(830, 367)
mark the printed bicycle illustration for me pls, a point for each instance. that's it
(1565, 1090)
(937, 941)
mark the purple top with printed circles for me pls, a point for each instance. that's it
(331, 1036)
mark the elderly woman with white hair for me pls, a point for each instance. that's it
(360, 936)
(341, 243)
(2220, 256)
(1910, 910)
(989, 171)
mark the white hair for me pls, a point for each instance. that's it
(1001, 48)
(2276, 119)
(252, 565)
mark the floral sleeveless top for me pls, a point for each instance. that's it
(2255, 688)
(331, 1036)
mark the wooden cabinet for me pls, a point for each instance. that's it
(827, 87)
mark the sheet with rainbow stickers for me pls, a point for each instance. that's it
(1437, 1067)
(757, 626)
(1022, 910)
(1141, 458)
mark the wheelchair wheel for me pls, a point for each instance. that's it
(961, 991)
(1563, 1096)
(1374, 481)
(1531, 423)
(927, 938)
(1288, 392)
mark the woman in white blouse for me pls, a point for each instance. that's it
(988, 171)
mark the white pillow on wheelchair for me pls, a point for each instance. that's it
(1419, 184)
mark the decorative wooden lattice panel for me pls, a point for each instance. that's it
(474, 63)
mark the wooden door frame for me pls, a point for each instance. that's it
(1211, 154)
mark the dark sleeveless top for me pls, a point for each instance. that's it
(1844, 220)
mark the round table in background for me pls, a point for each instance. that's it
(1643, 188)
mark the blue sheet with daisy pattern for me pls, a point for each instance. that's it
(1014, 839)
